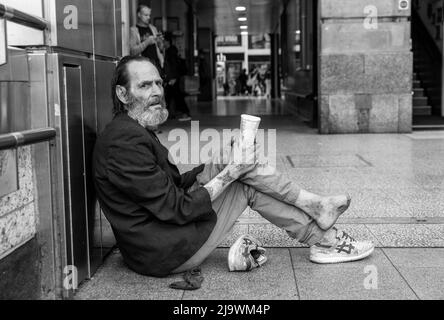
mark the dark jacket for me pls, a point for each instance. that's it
(157, 224)
(175, 66)
(172, 70)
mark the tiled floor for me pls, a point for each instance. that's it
(395, 274)
(397, 185)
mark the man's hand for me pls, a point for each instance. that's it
(243, 158)
(149, 40)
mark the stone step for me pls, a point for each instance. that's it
(434, 92)
(420, 101)
(427, 83)
(421, 66)
(422, 110)
(418, 92)
(425, 75)
(417, 84)
(420, 62)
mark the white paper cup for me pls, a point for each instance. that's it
(249, 127)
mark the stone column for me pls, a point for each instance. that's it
(365, 66)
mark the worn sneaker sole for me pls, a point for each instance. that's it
(338, 259)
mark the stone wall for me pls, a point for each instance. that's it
(18, 217)
(365, 79)
(20, 263)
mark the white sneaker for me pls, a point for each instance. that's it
(346, 249)
(246, 254)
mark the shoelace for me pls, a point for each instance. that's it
(346, 236)
(345, 246)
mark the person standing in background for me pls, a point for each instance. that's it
(145, 40)
(268, 83)
(243, 78)
(175, 69)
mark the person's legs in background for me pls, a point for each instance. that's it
(169, 99)
(181, 104)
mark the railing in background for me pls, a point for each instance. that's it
(24, 138)
(19, 139)
(22, 18)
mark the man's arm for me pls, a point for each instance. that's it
(221, 182)
(233, 171)
(188, 178)
(137, 46)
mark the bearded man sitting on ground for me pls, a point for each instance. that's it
(166, 222)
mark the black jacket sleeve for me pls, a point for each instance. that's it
(132, 168)
(189, 177)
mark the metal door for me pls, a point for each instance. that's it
(104, 28)
(74, 159)
(78, 125)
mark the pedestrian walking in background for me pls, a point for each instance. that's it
(243, 78)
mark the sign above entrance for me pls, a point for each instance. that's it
(229, 41)
(404, 4)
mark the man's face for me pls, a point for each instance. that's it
(146, 101)
(145, 15)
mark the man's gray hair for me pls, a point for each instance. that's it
(141, 6)
(121, 78)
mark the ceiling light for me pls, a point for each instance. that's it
(244, 27)
(242, 19)
(244, 33)
(240, 8)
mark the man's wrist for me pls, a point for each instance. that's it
(231, 171)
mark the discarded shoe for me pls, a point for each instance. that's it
(246, 254)
(346, 249)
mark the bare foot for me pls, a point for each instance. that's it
(331, 209)
(324, 210)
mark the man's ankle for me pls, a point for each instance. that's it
(329, 238)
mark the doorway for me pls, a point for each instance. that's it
(427, 46)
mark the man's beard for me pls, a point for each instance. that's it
(145, 114)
